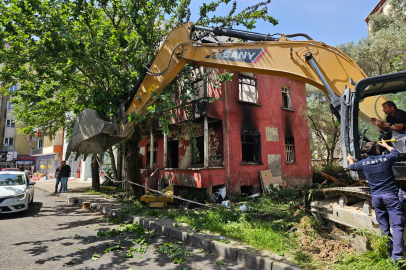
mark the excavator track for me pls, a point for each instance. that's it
(358, 192)
(349, 206)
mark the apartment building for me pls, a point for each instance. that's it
(257, 123)
(14, 147)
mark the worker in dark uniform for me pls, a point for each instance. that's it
(395, 121)
(378, 171)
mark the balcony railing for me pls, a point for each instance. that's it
(36, 151)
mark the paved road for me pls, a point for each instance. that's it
(54, 235)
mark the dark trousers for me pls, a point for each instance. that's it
(387, 207)
(58, 180)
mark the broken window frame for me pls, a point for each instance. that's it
(290, 150)
(250, 81)
(286, 98)
(199, 82)
(155, 152)
(256, 143)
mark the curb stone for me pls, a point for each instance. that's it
(239, 255)
(255, 261)
(224, 250)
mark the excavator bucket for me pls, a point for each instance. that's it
(92, 135)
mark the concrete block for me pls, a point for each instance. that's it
(138, 219)
(360, 244)
(161, 228)
(283, 266)
(199, 241)
(224, 249)
(178, 234)
(253, 260)
(148, 223)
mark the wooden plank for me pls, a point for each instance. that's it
(266, 179)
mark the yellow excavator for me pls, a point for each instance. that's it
(312, 62)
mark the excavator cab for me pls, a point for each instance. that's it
(351, 138)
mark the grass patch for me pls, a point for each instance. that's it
(276, 223)
(377, 257)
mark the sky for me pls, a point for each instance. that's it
(330, 21)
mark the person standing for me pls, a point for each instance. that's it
(65, 174)
(58, 179)
(384, 190)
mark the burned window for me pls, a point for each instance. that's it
(251, 147)
(155, 154)
(290, 149)
(248, 89)
(198, 150)
(286, 101)
(199, 83)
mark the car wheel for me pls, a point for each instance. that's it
(28, 208)
(32, 199)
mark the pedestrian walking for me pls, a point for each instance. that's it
(65, 174)
(58, 179)
(384, 190)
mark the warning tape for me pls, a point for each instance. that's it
(175, 197)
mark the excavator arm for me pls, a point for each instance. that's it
(312, 62)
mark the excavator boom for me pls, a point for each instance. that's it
(312, 62)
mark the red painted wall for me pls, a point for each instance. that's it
(268, 113)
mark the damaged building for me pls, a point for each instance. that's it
(257, 122)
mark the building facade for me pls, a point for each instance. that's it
(257, 123)
(15, 148)
(382, 7)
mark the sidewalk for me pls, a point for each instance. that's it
(73, 185)
(235, 251)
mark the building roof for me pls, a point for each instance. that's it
(375, 9)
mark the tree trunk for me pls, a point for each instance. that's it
(119, 163)
(113, 164)
(131, 160)
(95, 174)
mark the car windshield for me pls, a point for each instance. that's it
(8, 179)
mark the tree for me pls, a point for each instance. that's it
(323, 125)
(71, 55)
(383, 51)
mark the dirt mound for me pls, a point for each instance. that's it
(324, 244)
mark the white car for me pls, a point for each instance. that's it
(16, 191)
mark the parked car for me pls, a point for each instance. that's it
(16, 191)
(11, 169)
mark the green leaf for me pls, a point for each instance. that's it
(95, 257)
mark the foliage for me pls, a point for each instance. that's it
(375, 258)
(71, 55)
(173, 251)
(383, 51)
(323, 125)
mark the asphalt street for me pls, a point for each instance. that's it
(55, 235)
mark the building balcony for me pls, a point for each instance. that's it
(36, 152)
(49, 150)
